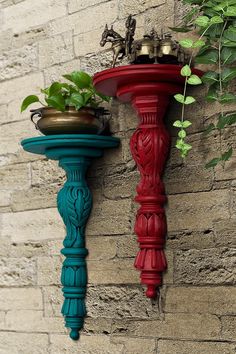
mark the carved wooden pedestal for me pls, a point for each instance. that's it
(148, 88)
(75, 153)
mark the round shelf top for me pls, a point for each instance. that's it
(56, 146)
(110, 81)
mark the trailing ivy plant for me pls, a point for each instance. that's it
(215, 22)
(79, 93)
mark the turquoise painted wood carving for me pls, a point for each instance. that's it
(74, 153)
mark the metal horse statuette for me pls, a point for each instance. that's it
(152, 48)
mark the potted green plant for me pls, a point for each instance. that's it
(69, 108)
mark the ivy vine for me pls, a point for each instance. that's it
(215, 22)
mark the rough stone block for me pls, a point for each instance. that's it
(49, 270)
(18, 62)
(109, 218)
(33, 225)
(214, 300)
(20, 87)
(184, 211)
(184, 326)
(124, 302)
(210, 266)
(225, 233)
(56, 50)
(190, 239)
(228, 327)
(87, 345)
(33, 321)
(185, 347)
(135, 345)
(21, 299)
(55, 72)
(27, 343)
(53, 300)
(15, 177)
(47, 172)
(101, 248)
(120, 185)
(17, 271)
(31, 13)
(134, 7)
(86, 43)
(77, 5)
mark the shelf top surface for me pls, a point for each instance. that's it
(40, 144)
(110, 80)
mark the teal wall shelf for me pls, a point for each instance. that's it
(75, 153)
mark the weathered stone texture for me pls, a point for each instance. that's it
(195, 314)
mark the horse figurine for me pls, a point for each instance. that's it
(118, 43)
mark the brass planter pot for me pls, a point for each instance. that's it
(52, 121)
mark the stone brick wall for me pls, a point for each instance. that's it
(40, 40)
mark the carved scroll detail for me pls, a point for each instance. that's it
(149, 146)
(74, 204)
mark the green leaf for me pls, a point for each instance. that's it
(194, 80)
(227, 155)
(190, 14)
(228, 55)
(186, 70)
(77, 100)
(180, 29)
(227, 43)
(222, 122)
(199, 43)
(186, 43)
(182, 134)
(216, 19)
(57, 102)
(210, 77)
(80, 79)
(54, 88)
(212, 94)
(186, 124)
(189, 100)
(213, 162)
(28, 101)
(179, 98)
(210, 57)
(228, 74)
(177, 124)
(230, 34)
(231, 118)
(231, 11)
(227, 98)
(209, 129)
(202, 21)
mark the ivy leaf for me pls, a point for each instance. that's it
(28, 101)
(189, 100)
(216, 19)
(228, 74)
(186, 124)
(57, 102)
(232, 118)
(202, 21)
(209, 129)
(186, 43)
(194, 80)
(230, 34)
(231, 11)
(222, 122)
(212, 94)
(213, 162)
(227, 98)
(210, 57)
(179, 98)
(210, 77)
(228, 55)
(182, 134)
(199, 43)
(227, 155)
(177, 124)
(185, 71)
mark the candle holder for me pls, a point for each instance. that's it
(75, 153)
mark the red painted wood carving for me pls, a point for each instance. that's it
(148, 87)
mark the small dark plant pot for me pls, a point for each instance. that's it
(52, 121)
